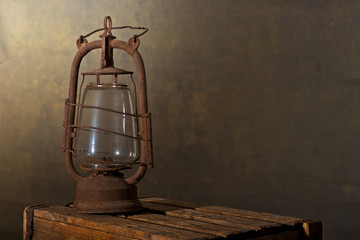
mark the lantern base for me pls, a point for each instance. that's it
(105, 194)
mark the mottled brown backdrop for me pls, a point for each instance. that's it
(256, 104)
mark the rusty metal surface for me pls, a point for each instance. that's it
(105, 194)
(107, 71)
(86, 201)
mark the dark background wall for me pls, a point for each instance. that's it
(256, 104)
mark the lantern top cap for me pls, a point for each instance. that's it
(107, 71)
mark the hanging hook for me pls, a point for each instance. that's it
(107, 26)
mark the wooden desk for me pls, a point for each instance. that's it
(166, 219)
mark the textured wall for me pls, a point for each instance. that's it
(256, 104)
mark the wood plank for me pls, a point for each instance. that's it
(116, 225)
(227, 211)
(221, 219)
(252, 215)
(25, 223)
(152, 198)
(191, 225)
(28, 220)
(313, 230)
(158, 207)
(60, 230)
(170, 202)
(224, 210)
(45, 236)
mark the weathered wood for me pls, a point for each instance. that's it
(158, 207)
(114, 224)
(221, 219)
(25, 223)
(54, 235)
(165, 219)
(313, 230)
(66, 231)
(226, 211)
(28, 220)
(191, 225)
(252, 214)
(170, 202)
(152, 199)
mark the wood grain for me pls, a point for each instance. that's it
(164, 219)
(222, 219)
(115, 225)
(158, 207)
(252, 215)
(60, 230)
(191, 225)
(170, 202)
(170, 205)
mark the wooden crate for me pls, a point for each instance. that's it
(166, 219)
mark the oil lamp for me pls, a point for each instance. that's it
(106, 128)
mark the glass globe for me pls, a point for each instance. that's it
(99, 149)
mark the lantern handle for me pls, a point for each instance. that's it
(122, 27)
(107, 27)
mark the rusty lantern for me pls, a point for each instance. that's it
(106, 128)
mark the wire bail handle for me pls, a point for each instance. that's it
(81, 41)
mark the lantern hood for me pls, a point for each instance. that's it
(107, 71)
